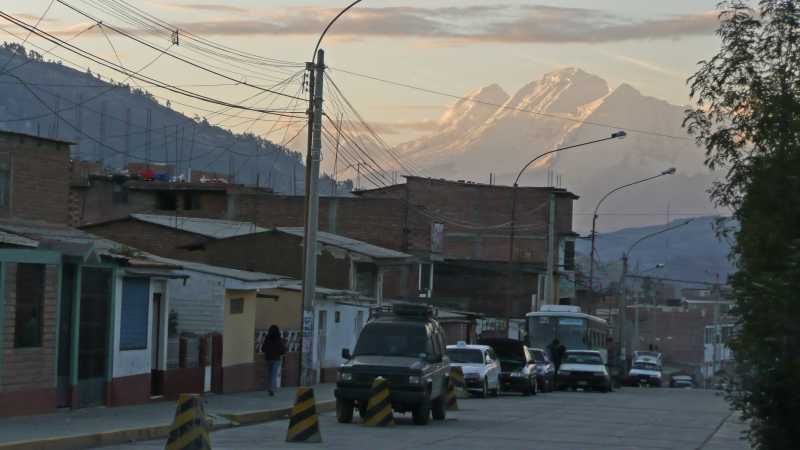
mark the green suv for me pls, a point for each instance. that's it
(405, 345)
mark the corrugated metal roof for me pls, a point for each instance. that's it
(212, 228)
(352, 245)
(226, 272)
(15, 239)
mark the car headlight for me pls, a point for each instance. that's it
(345, 376)
(565, 372)
(414, 379)
(517, 374)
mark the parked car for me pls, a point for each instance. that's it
(545, 370)
(584, 369)
(480, 366)
(517, 367)
(644, 373)
(681, 381)
(405, 345)
(649, 357)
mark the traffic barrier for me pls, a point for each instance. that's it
(379, 407)
(303, 420)
(457, 377)
(450, 397)
(189, 430)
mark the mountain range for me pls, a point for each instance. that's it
(490, 131)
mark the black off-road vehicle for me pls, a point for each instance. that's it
(405, 345)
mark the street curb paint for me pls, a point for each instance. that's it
(189, 429)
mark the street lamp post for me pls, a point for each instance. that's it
(669, 171)
(316, 71)
(551, 212)
(622, 294)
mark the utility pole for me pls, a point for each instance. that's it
(551, 245)
(148, 137)
(621, 315)
(127, 138)
(317, 74)
(336, 154)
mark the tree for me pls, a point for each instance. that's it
(746, 113)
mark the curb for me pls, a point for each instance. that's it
(126, 436)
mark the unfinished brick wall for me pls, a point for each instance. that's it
(162, 241)
(39, 174)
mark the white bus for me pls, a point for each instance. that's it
(574, 329)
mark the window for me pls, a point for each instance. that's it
(191, 200)
(337, 316)
(365, 279)
(166, 201)
(569, 255)
(135, 313)
(237, 305)
(5, 181)
(30, 302)
(119, 194)
(465, 356)
(425, 284)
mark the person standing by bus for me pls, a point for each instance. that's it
(557, 351)
(273, 348)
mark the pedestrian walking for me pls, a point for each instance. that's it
(274, 348)
(557, 351)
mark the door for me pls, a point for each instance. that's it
(65, 335)
(156, 384)
(94, 335)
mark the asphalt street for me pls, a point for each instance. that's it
(631, 418)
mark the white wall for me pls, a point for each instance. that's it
(200, 303)
(339, 335)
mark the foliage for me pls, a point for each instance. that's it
(747, 116)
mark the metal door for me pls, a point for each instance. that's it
(94, 333)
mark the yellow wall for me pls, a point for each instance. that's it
(285, 312)
(238, 340)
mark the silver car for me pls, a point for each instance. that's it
(480, 366)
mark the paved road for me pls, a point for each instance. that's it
(627, 419)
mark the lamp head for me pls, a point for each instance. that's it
(669, 171)
(619, 135)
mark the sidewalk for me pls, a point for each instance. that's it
(103, 426)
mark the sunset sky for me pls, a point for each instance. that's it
(447, 45)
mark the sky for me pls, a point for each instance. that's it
(454, 46)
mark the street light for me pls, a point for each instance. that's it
(547, 285)
(622, 295)
(316, 69)
(669, 171)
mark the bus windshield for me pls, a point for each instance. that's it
(570, 331)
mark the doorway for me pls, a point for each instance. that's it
(321, 341)
(156, 375)
(68, 274)
(94, 332)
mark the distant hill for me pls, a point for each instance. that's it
(100, 109)
(691, 252)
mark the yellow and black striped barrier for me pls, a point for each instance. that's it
(303, 422)
(189, 430)
(450, 397)
(459, 385)
(379, 406)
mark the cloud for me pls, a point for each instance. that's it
(447, 25)
(201, 7)
(650, 66)
(461, 25)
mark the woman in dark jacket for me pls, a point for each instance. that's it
(273, 348)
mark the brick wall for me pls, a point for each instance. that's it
(29, 371)
(39, 177)
(162, 241)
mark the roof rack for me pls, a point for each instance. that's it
(410, 310)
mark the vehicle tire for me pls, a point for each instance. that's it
(439, 408)
(485, 390)
(362, 410)
(421, 413)
(344, 411)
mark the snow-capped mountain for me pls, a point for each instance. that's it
(568, 107)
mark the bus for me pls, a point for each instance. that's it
(574, 329)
